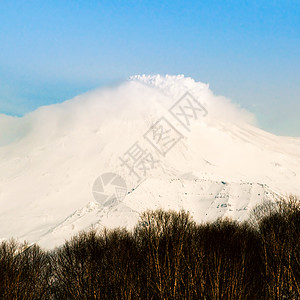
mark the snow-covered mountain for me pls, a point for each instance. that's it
(173, 143)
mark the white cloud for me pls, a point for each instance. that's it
(140, 97)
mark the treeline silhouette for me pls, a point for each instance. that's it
(167, 256)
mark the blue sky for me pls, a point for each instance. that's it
(248, 51)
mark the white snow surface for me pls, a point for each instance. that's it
(50, 158)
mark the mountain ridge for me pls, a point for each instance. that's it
(50, 158)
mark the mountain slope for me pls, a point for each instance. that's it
(217, 163)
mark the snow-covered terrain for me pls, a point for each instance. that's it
(200, 152)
